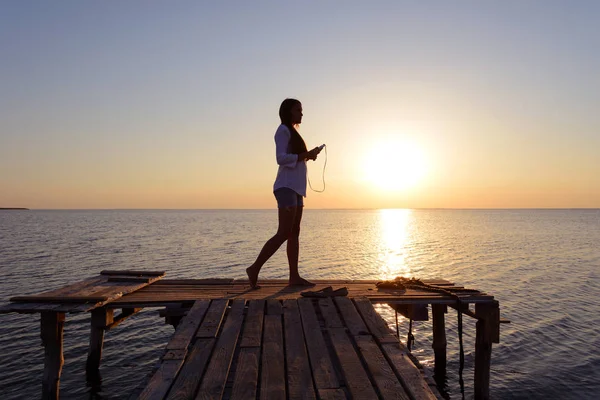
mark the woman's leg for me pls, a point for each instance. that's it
(286, 221)
(293, 249)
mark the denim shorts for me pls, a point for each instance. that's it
(287, 197)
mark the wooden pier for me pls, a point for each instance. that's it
(235, 342)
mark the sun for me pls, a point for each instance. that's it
(394, 165)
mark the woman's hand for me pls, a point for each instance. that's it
(312, 155)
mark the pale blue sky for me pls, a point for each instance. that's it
(174, 104)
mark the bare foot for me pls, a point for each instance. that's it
(252, 277)
(300, 282)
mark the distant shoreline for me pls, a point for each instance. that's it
(13, 208)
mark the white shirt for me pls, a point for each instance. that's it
(291, 173)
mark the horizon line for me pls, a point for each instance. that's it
(306, 208)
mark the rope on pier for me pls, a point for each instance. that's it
(401, 283)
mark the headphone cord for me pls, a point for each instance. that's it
(324, 165)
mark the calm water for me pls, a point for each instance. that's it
(542, 265)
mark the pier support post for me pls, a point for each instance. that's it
(487, 332)
(52, 326)
(101, 318)
(439, 338)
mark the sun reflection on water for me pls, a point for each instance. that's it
(395, 243)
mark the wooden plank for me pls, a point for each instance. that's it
(205, 281)
(322, 366)
(177, 354)
(193, 370)
(254, 323)
(188, 326)
(377, 326)
(29, 308)
(125, 278)
(272, 371)
(99, 292)
(357, 379)
(132, 272)
(299, 379)
(274, 307)
(351, 317)
(59, 299)
(410, 376)
(212, 320)
(161, 381)
(332, 394)
(388, 384)
(213, 384)
(330, 314)
(83, 287)
(246, 374)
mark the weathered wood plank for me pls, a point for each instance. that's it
(246, 374)
(388, 384)
(254, 323)
(330, 314)
(213, 384)
(205, 281)
(272, 371)
(351, 317)
(410, 376)
(193, 370)
(132, 272)
(188, 326)
(274, 307)
(377, 326)
(355, 376)
(59, 299)
(83, 287)
(212, 319)
(161, 381)
(322, 366)
(126, 278)
(332, 394)
(300, 384)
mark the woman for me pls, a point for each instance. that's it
(289, 190)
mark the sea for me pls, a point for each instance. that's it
(542, 265)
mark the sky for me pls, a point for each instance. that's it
(173, 105)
